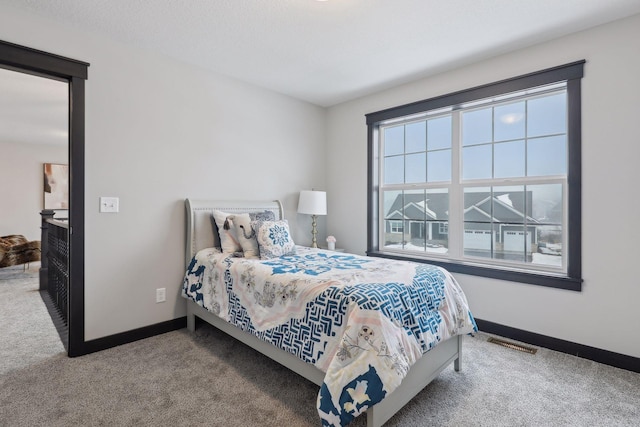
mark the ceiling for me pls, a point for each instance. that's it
(328, 52)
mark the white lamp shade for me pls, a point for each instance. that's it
(312, 202)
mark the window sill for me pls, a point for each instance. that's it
(558, 282)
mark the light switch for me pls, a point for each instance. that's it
(109, 204)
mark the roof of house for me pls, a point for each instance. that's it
(506, 207)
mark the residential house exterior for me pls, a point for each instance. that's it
(500, 223)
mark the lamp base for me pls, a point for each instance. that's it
(314, 231)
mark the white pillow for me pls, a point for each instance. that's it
(274, 238)
(228, 238)
(246, 236)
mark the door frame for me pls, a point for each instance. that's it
(75, 72)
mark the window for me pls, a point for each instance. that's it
(487, 180)
(396, 227)
(443, 228)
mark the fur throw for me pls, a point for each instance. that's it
(16, 249)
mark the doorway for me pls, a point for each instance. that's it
(27, 60)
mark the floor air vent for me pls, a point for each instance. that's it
(513, 346)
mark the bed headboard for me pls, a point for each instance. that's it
(200, 233)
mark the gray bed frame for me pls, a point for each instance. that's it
(200, 235)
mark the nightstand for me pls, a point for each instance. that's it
(334, 250)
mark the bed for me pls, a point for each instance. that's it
(371, 332)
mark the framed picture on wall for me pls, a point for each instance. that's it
(56, 186)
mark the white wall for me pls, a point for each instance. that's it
(21, 191)
(158, 131)
(605, 313)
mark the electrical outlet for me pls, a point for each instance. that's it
(161, 294)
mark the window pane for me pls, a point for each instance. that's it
(439, 133)
(510, 242)
(414, 205)
(415, 236)
(476, 162)
(416, 137)
(416, 168)
(509, 159)
(477, 204)
(439, 166)
(500, 143)
(547, 156)
(476, 127)
(406, 238)
(394, 170)
(509, 121)
(548, 248)
(392, 204)
(437, 211)
(509, 204)
(426, 210)
(477, 239)
(393, 234)
(394, 140)
(437, 204)
(547, 206)
(547, 211)
(547, 115)
(437, 237)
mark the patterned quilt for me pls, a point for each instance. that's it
(363, 321)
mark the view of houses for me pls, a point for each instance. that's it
(511, 224)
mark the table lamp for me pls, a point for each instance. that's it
(313, 203)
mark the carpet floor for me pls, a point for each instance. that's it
(207, 378)
(27, 334)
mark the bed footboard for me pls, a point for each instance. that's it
(420, 375)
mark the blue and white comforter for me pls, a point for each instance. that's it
(363, 321)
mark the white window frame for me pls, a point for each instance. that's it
(568, 275)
